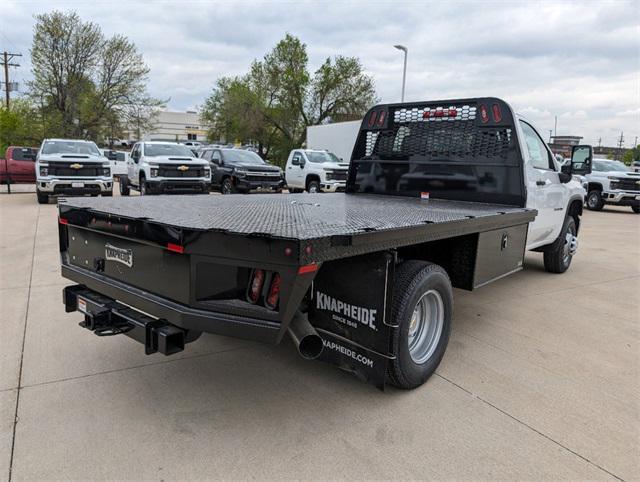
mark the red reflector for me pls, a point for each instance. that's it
(453, 112)
(274, 291)
(497, 115)
(176, 248)
(63, 221)
(484, 115)
(256, 286)
(382, 115)
(372, 118)
(427, 114)
(308, 268)
(439, 113)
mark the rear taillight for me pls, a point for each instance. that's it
(372, 118)
(484, 115)
(497, 115)
(274, 292)
(382, 115)
(255, 288)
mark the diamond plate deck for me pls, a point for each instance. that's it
(291, 216)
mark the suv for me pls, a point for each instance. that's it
(71, 166)
(165, 167)
(239, 170)
(315, 171)
(18, 165)
(611, 182)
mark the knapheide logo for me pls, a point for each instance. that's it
(364, 316)
(332, 345)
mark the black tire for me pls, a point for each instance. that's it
(313, 186)
(143, 186)
(636, 209)
(413, 280)
(107, 194)
(42, 198)
(227, 186)
(557, 257)
(594, 201)
(295, 190)
(124, 186)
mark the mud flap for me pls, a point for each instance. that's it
(350, 307)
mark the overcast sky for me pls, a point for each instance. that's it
(577, 60)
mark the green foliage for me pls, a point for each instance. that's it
(275, 101)
(18, 126)
(87, 85)
(631, 155)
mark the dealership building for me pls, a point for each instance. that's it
(176, 127)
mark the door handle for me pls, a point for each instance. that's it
(541, 183)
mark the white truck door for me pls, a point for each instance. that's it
(295, 173)
(544, 190)
(132, 165)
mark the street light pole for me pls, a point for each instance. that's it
(404, 70)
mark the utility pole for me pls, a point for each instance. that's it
(7, 57)
(599, 141)
(550, 136)
(555, 126)
(620, 144)
(404, 69)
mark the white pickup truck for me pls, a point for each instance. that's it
(163, 168)
(314, 171)
(612, 182)
(71, 167)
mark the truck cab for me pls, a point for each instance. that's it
(314, 171)
(163, 168)
(18, 165)
(71, 167)
(613, 183)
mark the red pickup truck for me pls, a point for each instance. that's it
(20, 164)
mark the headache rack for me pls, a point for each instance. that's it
(454, 149)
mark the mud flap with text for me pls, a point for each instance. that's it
(350, 308)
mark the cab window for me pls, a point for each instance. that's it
(216, 157)
(538, 154)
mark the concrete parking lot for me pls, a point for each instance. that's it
(541, 380)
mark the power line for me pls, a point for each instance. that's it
(7, 57)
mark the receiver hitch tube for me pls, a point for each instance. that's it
(106, 317)
(305, 337)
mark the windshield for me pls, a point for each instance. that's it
(242, 157)
(154, 150)
(71, 147)
(322, 156)
(607, 165)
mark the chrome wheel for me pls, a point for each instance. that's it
(226, 187)
(313, 188)
(143, 187)
(425, 327)
(570, 246)
(592, 200)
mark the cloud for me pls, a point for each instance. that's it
(578, 61)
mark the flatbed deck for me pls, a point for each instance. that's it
(296, 216)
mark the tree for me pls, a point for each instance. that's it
(84, 80)
(631, 155)
(278, 98)
(18, 125)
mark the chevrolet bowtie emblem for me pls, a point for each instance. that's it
(183, 168)
(76, 166)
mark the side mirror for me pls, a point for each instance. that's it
(295, 161)
(302, 163)
(581, 157)
(564, 177)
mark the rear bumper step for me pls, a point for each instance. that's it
(106, 317)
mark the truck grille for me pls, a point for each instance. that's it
(175, 172)
(337, 175)
(262, 176)
(64, 169)
(625, 184)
